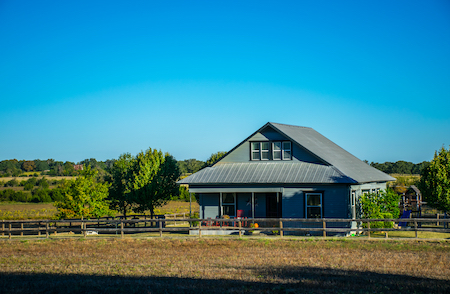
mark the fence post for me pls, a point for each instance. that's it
(160, 228)
(437, 216)
(21, 229)
(85, 228)
(240, 226)
(324, 225)
(46, 229)
(121, 228)
(368, 229)
(9, 233)
(415, 226)
(200, 229)
(281, 228)
(3, 228)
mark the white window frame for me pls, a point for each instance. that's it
(274, 150)
(266, 151)
(283, 150)
(320, 206)
(253, 151)
(353, 203)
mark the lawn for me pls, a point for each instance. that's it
(221, 265)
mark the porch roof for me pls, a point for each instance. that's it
(268, 172)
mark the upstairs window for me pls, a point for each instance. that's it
(256, 151)
(280, 150)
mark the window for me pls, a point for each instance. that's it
(256, 155)
(276, 150)
(229, 204)
(271, 150)
(353, 203)
(365, 191)
(313, 205)
(265, 150)
(286, 150)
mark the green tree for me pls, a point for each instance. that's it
(84, 197)
(153, 180)
(380, 205)
(119, 192)
(435, 181)
(215, 157)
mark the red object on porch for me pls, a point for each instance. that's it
(240, 213)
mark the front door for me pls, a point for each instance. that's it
(273, 205)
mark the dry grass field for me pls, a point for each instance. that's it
(215, 265)
(48, 211)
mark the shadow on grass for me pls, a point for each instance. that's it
(273, 280)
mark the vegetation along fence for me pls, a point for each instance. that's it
(283, 226)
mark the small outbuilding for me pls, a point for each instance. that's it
(285, 171)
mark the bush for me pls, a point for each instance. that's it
(28, 187)
(12, 183)
(194, 215)
(41, 195)
(6, 195)
(57, 195)
(19, 196)
(43, 183)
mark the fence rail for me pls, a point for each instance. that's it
(278, 226)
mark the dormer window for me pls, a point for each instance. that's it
(278, 150)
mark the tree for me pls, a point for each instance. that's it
(380, 205)
(84, 197)
(435, 181)
(215, 157)
(119, 192)
(28, 165)
(153, 180)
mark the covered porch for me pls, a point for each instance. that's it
(239, 202)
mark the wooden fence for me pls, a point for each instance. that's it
(280, 226)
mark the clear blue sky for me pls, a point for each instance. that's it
(94, 79)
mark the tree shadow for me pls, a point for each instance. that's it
(273, 280)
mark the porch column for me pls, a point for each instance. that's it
(253, 204)
(220, 205)
(190, 204)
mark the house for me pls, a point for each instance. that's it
(285, 171)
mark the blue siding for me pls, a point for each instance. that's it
(209, 204)
(242, 152)
(244, 203)
(260, 205)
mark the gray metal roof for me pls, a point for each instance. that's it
(331, 153)
(339, 166)
(267, 173)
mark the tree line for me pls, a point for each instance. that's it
(401, 167)
(51, 167)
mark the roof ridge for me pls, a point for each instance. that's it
(287, 125)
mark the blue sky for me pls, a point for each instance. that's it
(95, 79)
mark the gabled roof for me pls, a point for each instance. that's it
(339, 166)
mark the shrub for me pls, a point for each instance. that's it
(57, 195)
(19, 196)
(12, 183)
(28, 187)
(194, 215)
(43, 183)
(6, 195)
(41, 195)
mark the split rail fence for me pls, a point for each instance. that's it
(278, 226)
